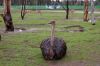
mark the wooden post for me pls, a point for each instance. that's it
(85, 10)
(7, 16)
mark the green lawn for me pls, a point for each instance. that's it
(20, 49)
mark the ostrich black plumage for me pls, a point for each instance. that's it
(53, 48)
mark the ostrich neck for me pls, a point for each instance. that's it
(52, 34)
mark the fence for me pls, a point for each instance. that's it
(45, 7)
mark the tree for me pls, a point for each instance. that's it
(0, 37)
(67, 11)
(85, 10)
(7, 16)
(92, 12)
(66, 3)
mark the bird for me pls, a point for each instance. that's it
(53, 48)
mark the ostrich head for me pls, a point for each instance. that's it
(52, 22)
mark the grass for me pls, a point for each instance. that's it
(20, 49)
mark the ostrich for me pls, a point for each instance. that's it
(53, 48)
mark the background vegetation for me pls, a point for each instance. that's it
(21, 48)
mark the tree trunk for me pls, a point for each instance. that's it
(67, 10)
(0, 37)
(92, 12)
(7, 16)
(85, 10)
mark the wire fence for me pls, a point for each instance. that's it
(44, 7)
